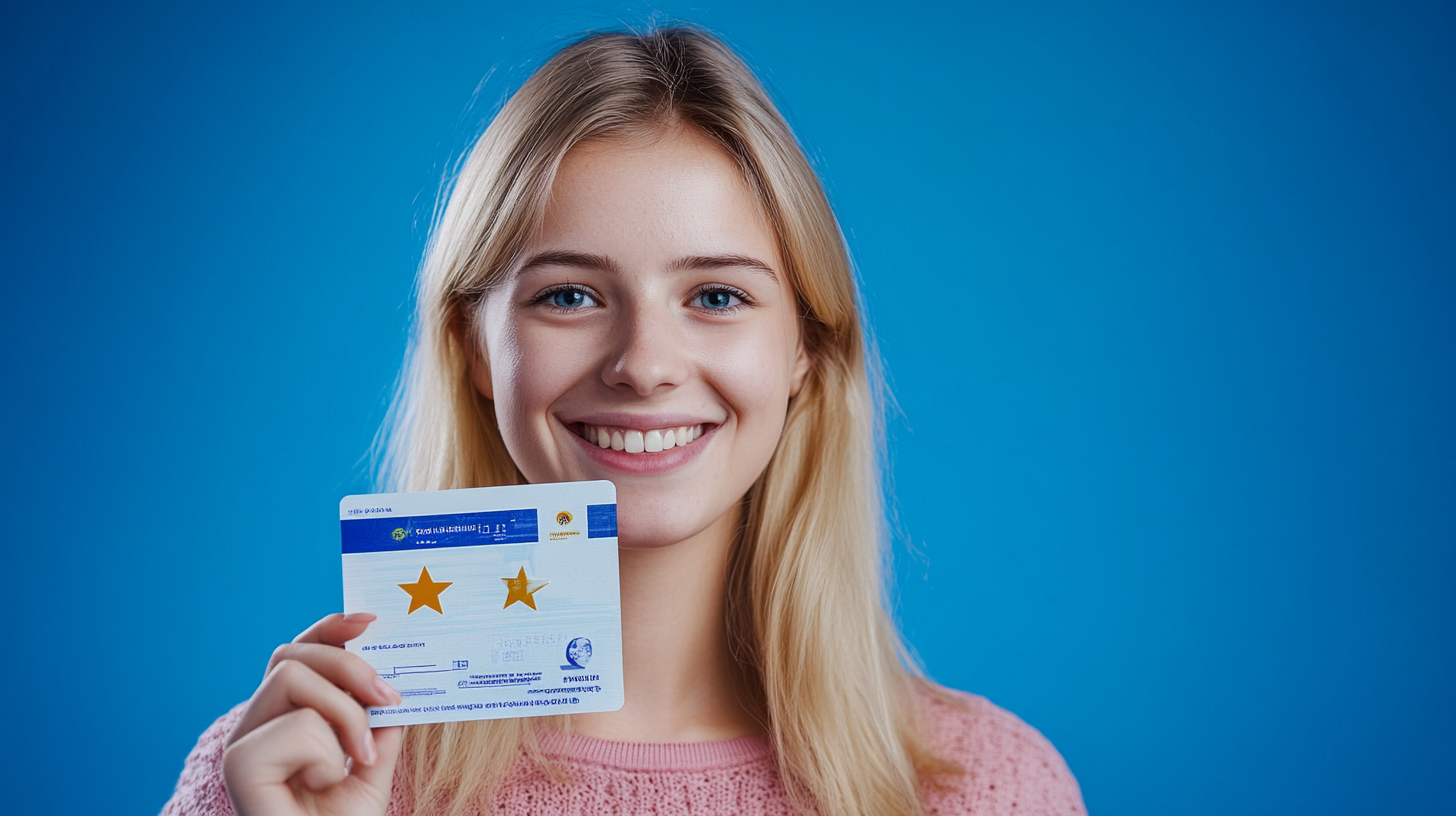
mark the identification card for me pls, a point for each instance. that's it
(492, 602)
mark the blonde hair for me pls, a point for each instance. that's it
(805, 584)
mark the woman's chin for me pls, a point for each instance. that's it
(650, 525)
(652, 536)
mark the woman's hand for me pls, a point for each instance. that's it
(304, 745)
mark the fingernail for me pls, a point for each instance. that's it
(385, 690)
(371, 754)
(359, 617)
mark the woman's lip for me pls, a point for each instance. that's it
(645, 463)
(638, 422)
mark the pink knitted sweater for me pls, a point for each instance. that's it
(1010, 770)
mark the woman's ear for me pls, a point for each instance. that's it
(479, 365)
(803, 361)
(480, 373)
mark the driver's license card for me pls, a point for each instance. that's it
(492, 602)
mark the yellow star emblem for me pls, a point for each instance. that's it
(425, 592)
(521, 589)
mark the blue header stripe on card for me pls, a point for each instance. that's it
(431, 532)
(601, 521)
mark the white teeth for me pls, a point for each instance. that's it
(631, 441)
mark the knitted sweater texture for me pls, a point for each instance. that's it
(1010, 770)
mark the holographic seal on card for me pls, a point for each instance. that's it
(492, 602)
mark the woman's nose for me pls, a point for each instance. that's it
(647, 353)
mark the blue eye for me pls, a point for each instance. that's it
(717, 300)
(570, 299)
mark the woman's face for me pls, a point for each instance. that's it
(653, 306)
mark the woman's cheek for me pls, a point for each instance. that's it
(535, 370)
(753, 376)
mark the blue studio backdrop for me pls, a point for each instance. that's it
(1165, 293)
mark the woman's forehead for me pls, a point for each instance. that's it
(679, 194)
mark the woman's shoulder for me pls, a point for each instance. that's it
(1005, 766)
(200, 790)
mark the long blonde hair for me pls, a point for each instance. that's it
(806, 580)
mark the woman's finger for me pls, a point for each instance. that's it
(344, 669)
(257, 768)
(294, 685)
(380, 775)
(337, 629)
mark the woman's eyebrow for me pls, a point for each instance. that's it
(587, 260)
(722, 262)
(583, 260)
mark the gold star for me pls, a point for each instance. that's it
(521, 589)
(425, 592)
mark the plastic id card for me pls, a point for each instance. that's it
(492, 602)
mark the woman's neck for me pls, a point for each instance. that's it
(682, 683)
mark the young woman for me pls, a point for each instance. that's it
(637, 277)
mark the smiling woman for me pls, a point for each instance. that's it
(637, 277)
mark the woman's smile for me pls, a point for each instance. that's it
(626, 447)
(634, 441)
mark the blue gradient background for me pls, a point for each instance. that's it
(1165, 291)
